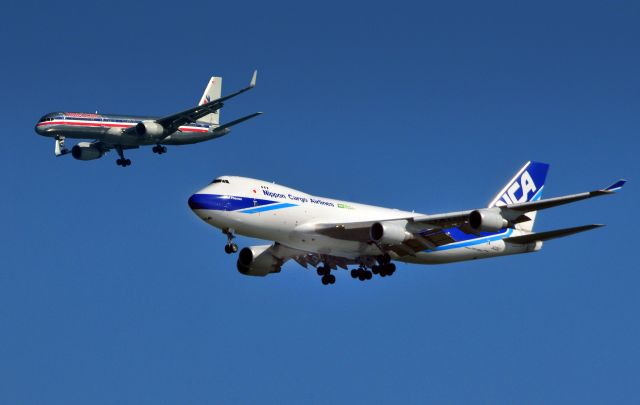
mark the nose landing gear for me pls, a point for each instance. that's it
(230, 247)
(122, 161)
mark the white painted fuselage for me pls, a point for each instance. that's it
(264, 210)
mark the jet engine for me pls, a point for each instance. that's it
(258, 261)
(86, 151)
(487, 220)
(389, 233)
(150, 129)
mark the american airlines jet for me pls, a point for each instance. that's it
(120, 132)
(329, 234)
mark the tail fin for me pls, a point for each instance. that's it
(525, 186)
(212, 92)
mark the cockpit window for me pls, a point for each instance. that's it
(220, 181)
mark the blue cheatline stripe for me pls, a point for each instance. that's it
(268, 208)
(471, 242)
(219, 202)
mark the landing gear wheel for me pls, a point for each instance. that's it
(375, 269)
(326, 279)
(387, 269)
(230, 248)
(332, 278)
(354, 273)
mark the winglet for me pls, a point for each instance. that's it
(616, 186)
(253, 78)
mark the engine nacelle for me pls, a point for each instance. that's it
(256, 261)
(150, 129)
(86, 151)
(390, 233)
(487, 220)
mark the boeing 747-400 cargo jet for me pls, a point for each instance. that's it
(329, 234)
(120, 132)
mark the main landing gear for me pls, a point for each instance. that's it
(159, 149)
(122, 161)
(361, 273)
(230, 247)
(327, 277)
(383, 268)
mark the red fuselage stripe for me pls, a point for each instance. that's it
(110, 125)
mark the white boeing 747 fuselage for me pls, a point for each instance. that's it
(329, 234)
(264, 210)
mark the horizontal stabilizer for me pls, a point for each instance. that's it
(558, 233)
(236, 122)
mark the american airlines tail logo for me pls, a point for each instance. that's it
(524, 187)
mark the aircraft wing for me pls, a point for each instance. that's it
(106, 147)
(172, 122)
(282, 253)
(515, 213)
(429, 231)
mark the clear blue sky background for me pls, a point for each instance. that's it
(112, 291)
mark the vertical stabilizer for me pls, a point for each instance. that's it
(212, 92)
(526, 185)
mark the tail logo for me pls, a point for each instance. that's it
(525, 184)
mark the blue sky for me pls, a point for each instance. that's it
(112, 291)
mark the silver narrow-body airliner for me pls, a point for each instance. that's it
(121, 132)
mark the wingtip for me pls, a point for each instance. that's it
(254, 78)
(617, 185)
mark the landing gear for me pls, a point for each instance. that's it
(361, 273)
(122, 161)
(60, 148)
(385, 267)
(230, 247)
(159, 149)
(327, 277)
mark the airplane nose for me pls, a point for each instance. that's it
(192, 202)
